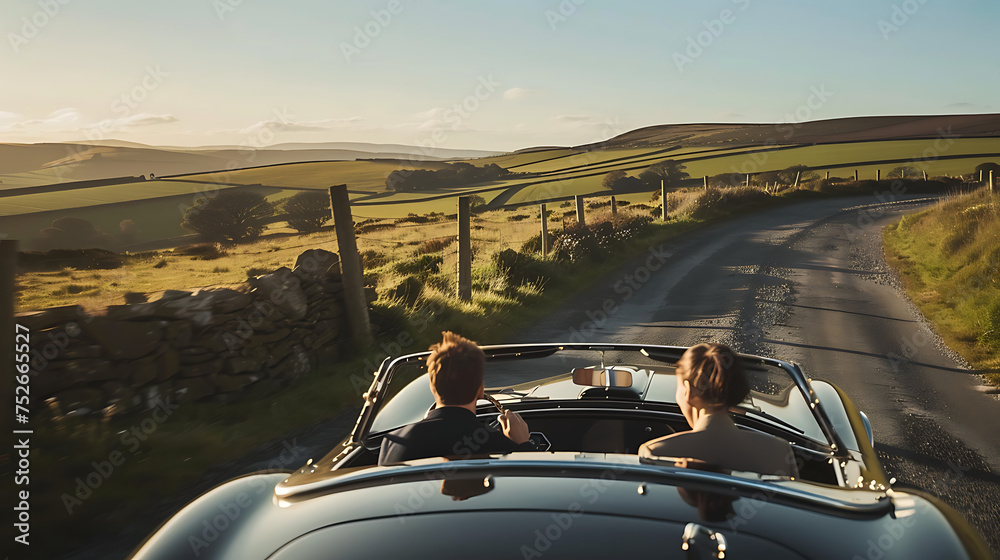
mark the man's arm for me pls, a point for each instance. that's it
(514, 427)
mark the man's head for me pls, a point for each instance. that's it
(456, 367)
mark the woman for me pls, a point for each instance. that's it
(710, 380)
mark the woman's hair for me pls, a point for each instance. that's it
(715, 373)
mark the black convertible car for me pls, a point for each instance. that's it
(583, 492)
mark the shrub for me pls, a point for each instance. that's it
(425, 264)
(233, 215)
(435, 245)
(372, 259)
(520, 268)
(161, 264)
(307, 210)
(70, 233)
(408, 291)
(200, 251)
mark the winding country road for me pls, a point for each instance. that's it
(808, 283)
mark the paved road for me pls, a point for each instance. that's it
(809, 284)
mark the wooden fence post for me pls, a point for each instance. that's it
(580, 217)
(855, 175)
(8, 264)
(878, 174)
(614, 208)
(663, 200)
(545, 233)
(464, 249)
(798, 175)
(827, 175)
(748, 180)
(705, 182)
(925, 174)
(351, 268)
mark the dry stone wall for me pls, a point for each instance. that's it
(216, 344)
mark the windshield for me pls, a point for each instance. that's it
(538, 377)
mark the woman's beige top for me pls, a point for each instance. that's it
(716, 440)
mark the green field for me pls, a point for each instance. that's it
(95, 196)
(554, 173)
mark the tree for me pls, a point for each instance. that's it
(233, 215)
(71, 233)
(669, 171)
(904, 172)
(307, 211)
(787, 176)
(612, 178)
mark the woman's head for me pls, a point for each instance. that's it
(710, 376)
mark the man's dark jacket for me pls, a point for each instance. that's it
(450, 431)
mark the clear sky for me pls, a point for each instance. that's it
(488, 74)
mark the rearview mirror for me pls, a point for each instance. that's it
(602, 377)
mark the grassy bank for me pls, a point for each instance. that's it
(512, 288)
(949, 259)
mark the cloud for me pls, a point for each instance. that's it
(59, 117)
(965, 106)
(8, 116)
(733, 116)
(275, 125)
(517, 93)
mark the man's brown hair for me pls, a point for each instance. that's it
(456, 368)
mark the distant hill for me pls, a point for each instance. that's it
(853, 129)
(44, 163)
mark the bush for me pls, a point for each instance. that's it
(521, 268)
(990, 338)
(425, 264)
(372, 259)
(71, 233)
(233, 215)
(307, 210)
(200, 251)
(408, 291)
(435, 245)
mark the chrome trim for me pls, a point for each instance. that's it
(383, 378)
(868, 428)
(394, 474)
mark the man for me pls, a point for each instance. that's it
(455, 367)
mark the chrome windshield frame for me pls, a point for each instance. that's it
(666, 354)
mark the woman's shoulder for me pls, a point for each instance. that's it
(676, 445)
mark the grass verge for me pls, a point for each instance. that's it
(949, 260)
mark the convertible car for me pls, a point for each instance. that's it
(583, 492)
